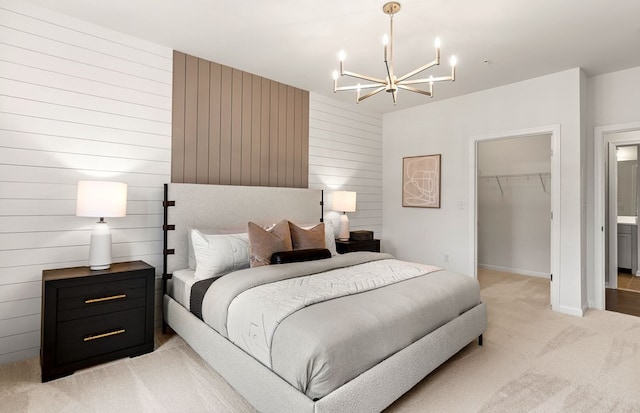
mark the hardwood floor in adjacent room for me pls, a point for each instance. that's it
(628, 281)
(623, 301)
(626, 299)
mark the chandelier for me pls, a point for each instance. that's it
(392, 83)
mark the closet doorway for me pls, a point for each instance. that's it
(514, 205)
(520, 174)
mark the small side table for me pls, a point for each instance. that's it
(90, 317)
(372, 245)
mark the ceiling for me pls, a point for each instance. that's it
(296, 42)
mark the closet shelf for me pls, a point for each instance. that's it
(538, 175)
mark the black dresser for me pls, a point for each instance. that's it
(90, 317)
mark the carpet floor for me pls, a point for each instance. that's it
(533, 360)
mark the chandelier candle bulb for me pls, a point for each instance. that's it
(385, 43)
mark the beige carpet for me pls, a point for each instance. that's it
(533, 360)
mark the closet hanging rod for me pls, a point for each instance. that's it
(529, 175)
(497, 178)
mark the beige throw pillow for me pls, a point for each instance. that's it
(263, 243)
(303, 239)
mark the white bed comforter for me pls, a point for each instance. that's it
(321, 339)
(255, 314)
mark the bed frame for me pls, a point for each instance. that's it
(230, 208)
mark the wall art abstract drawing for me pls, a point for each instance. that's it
(421, 181)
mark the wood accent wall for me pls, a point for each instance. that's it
(234, 128)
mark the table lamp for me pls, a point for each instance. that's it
(344, 201)
(100, 199)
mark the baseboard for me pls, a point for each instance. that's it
(578, 312)
(514, 271)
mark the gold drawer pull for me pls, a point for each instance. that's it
(97, 300)
(111, 333)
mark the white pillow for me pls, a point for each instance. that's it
(329, 236)
(219, 254)
(205, 232)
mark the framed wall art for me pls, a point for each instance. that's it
(421, 181)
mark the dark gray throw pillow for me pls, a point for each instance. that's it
(310, 254)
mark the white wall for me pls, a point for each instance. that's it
(446, 127)
(614, 99)
(514, 223)
(345, 153)
(76, 102)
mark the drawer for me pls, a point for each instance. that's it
(100, 298)
(92, 336)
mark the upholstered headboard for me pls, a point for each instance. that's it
(228, 208)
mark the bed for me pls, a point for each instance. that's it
(383, 325)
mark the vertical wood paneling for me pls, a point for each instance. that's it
(305, 140)
(225, 126)
(202, 146)
(290, 154)
(265, 116)
(236, 127)
(247, 91)
(274, 136)
(282, 135)
(345, 153)
(77, 102)
(256, 129)
(178, 105)
(215, 85)
(191, 119)
(297, 143)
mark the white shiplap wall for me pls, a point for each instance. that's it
(76, 102)
(345, 153)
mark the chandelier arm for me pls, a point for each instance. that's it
(364, 77)
(418, 70)
(415, 89)
(427, 80)
(368, 95)
(356, 87)
(389, 84)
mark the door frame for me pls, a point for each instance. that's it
(602, 142)
(554, 131)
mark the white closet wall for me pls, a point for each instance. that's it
(514, 205)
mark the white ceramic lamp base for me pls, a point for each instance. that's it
(343, 235)
(100, 247)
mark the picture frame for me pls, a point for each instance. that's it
(421, 179)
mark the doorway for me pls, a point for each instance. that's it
(514, 205)
(608, 234)
(621, 252)
(552, 185)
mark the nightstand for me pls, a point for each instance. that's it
(90, 317)
(372, 245)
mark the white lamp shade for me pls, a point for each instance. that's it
(344, 201)
(101, 199)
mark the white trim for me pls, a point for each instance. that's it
(554, 130)
(612, 219)
(600, 167)
(514, 270)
